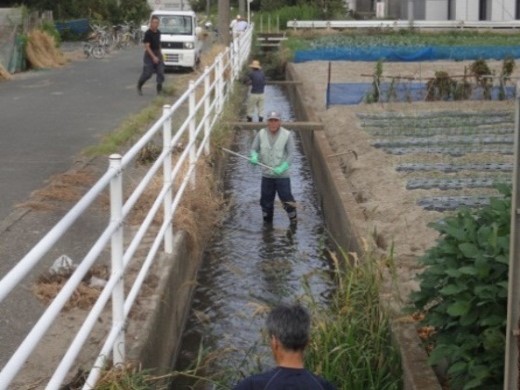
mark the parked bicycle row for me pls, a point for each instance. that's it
(104, 39)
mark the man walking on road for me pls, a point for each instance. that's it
(153, 60)
(274, 147)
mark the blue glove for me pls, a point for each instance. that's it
(281, 168)
(254, 158)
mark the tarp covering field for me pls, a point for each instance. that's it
(407, 53)
(356, 93)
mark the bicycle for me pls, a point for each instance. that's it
(94, 49)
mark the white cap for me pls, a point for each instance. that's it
(273, 115)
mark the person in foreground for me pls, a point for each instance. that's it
(288, 327)
(273, 147)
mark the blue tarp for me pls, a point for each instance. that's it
(407, 53)
(355, 93)
(76, 26)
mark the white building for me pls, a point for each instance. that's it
(467, 10)
(470, 10)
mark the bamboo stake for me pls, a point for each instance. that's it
(246, 158)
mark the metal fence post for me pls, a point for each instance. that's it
(192, 126)
(117, 249)
(218, 80)
(167, 179)
(207, 128)
(513, 296)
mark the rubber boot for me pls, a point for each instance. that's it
(140, 89)
(159, 89)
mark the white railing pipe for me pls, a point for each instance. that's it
(167, 178)
(18, 359)
(210, 105)
(117, 250)
(83, 334)
(28, 262)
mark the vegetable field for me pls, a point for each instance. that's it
(460, 157)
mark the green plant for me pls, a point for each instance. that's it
(391, 93)
(463, 293)
(350, 343)
(462, 90)
(374, 96)
(50, 29)
(480, 70)
(440, 87)
(508, 65)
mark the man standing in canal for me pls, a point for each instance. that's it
(288, 328)
(274, 148)
(153, 59)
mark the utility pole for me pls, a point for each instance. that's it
(223, 22)
(242, 8)
(410, 12)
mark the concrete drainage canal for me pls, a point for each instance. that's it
(248, 267)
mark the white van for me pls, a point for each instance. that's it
(180, 45)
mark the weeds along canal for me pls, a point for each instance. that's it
(248, 267)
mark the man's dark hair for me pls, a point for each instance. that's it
(154, 17)
(290, 324)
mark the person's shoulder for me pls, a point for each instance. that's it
(324, 383)
(254, 382)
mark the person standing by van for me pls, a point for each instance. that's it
(153, 59)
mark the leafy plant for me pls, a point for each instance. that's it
(463, 88)
(480, 70)
(350, 343)
(50, 29)
(375, 95)
(508, 65)
(463, 293)
(441, 87)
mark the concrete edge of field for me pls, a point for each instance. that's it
(338, 205)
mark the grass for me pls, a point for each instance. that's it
(351, 343)
(132, 127)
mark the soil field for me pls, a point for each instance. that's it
(408, 164)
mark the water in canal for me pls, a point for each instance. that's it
(248, 267)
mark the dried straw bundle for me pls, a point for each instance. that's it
(4, 74)
(42, 52)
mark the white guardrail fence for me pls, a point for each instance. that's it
(378, 23)
(216, 82)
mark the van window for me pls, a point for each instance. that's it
(176, 24)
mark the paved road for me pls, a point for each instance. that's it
(47, 117)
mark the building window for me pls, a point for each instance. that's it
(482, 10)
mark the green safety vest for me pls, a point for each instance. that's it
(273, 155)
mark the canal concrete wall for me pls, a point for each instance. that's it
(336, 201)
(156, 340)
(339, 207)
